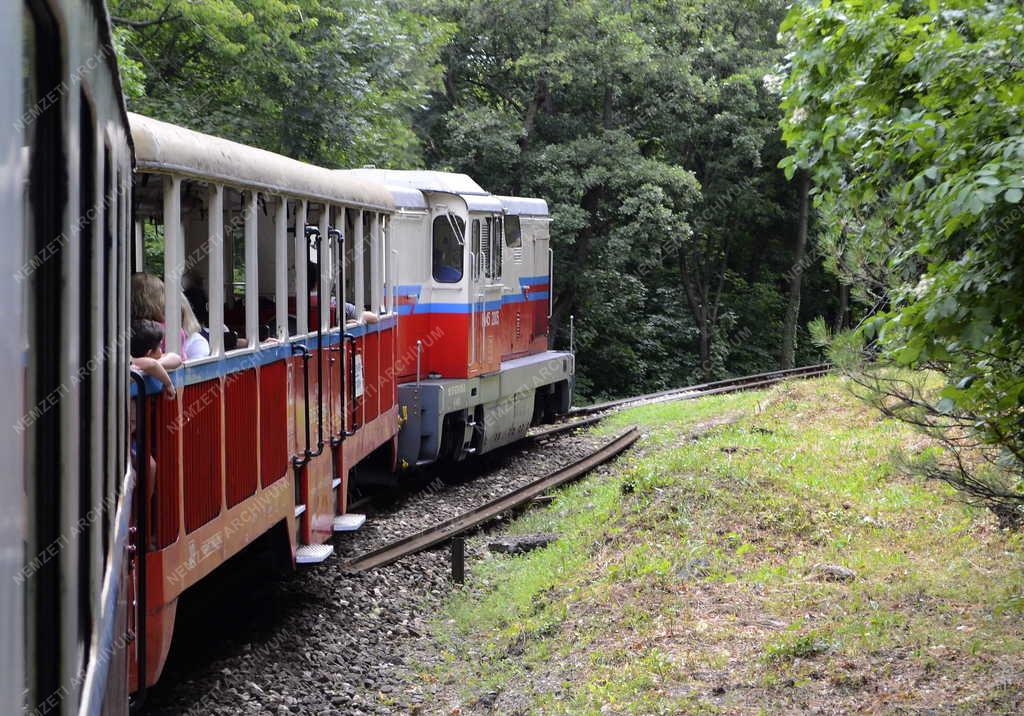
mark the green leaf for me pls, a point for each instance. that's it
(1013, 196)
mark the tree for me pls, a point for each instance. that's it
(645, 124)
(909, 117)
(789, 324)
(333, 82)
(649, 130)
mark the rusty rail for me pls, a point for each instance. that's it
(730, 385)
(474, 518)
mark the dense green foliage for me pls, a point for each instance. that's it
(327, 81)
(647, 125)
(910, 115)
(648, 128)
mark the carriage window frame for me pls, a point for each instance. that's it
(447, 227)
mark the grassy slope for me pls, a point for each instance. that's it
(685, 577)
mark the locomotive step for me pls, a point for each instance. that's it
(348, 522)
(334, 485)
(299, 509)
(313, 553)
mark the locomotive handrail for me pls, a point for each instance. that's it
(301, 349)
(482, 294)
(472, 310)
(551, 283)
(348, 432)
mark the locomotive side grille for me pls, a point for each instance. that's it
(201, 432)
(517, 255)
(485, 247)
(273, 422)
(499, 241)
(241, 403)
(163, 413)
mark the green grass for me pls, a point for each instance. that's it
(685, 577)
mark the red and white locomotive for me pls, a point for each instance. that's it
(473, 301)
(357, 319)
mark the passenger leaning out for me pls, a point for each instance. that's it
(148, 356)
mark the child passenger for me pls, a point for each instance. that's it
(148, 357)
(195, 344)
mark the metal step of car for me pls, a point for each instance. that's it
(336, 483)
(313, 553)
(299, 509)
(349, 522)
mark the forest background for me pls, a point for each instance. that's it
(651, 127)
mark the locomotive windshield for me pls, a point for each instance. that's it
(448, 232)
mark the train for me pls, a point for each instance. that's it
(359, 322)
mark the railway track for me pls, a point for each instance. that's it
(729, 385)
(460, 524)
(484, 513)
(559, 428)
(369, 502)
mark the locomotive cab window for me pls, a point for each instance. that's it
(513, 232)
(448, 231)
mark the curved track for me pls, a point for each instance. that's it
(729, 385)
(476, 516)
(479, 515)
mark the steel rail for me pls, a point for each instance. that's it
(446, 530)
(730, 385)
(543, 433)
(559, 428)
(712, 388)
(733, 388)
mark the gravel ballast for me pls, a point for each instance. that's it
(321, 641)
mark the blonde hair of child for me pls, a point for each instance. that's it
(189, 322)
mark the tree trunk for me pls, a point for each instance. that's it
(844, 308)
(704, 349)
(450, 90)
(703, 307)
(789, 324)
(606, 111)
